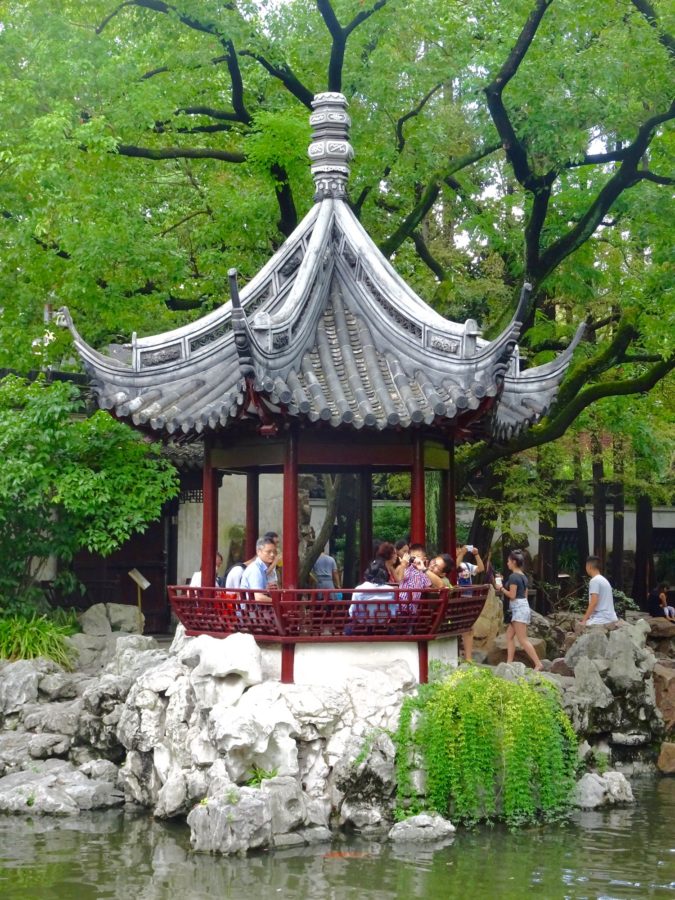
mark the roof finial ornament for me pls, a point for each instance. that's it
(330, 150)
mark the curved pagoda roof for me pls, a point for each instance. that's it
(328, 332)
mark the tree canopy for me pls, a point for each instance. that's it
(147, 146)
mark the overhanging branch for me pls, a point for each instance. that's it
(179, 153)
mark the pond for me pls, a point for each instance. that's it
(617, 853)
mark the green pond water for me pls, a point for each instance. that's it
(617, 853)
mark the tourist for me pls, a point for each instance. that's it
(515, 588)
(234, 575)
(273, 571)
(255, 576)
(467, 570)
(219, 581)
(387, 554)
(325, 573)
(418, 577)
(600, 610)
(369, 600)
(658, 603)
(402, 548)
(442, 566)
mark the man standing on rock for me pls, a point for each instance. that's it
(600, 598)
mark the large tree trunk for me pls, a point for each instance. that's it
(599, 501)
(482, 530)
(619, 506)
(579, 497)
(332, 488)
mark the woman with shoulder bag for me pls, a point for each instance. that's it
(515, 590)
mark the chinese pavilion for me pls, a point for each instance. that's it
(325, 361)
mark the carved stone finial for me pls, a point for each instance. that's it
(330, 150)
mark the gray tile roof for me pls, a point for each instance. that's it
(328, 332)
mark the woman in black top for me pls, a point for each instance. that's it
(515, 590)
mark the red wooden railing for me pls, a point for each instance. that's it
(294, 616)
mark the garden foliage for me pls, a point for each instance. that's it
(68, 482)
(490, 749)
(29, 638)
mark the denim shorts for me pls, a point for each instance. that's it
(520, 611)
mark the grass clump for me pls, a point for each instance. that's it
(27, 637)
(490, 748)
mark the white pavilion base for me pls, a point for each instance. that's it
(327, 663)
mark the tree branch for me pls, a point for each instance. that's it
(608, 356)
(514, 149)
(340, 36)
(646, 175)
(400, 144)
(429, 196)
(625, 177)
(284, 74)
(425, 255)
(179, 153)
(596, 159)
(160, 70)
(166, 8)
(413, 113)
(221, 114)
(363, 15)
(230, 55)
(551, 428)
(648, 11)
(289, 215)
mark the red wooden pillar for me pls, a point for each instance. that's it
(423, 658)
(417, 511)
(209, 518)
(366, 494)
(252, 513)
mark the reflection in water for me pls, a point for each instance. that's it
(621, 853)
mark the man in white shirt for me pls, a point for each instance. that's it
(600, 609)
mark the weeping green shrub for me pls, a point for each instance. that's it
(490, 748)
(28, 638)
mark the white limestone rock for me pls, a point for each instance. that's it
(125, 617)
(139, 779)
(55, 787)
(142, 720)
(288, 808)
(18, 685)
(100, 770)
(424, 828)
(62, 686)
(44, 746)
(95, 620)
(235, 822)
(594, 790)
(222, 669)
(172, 797)
(14, 751)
